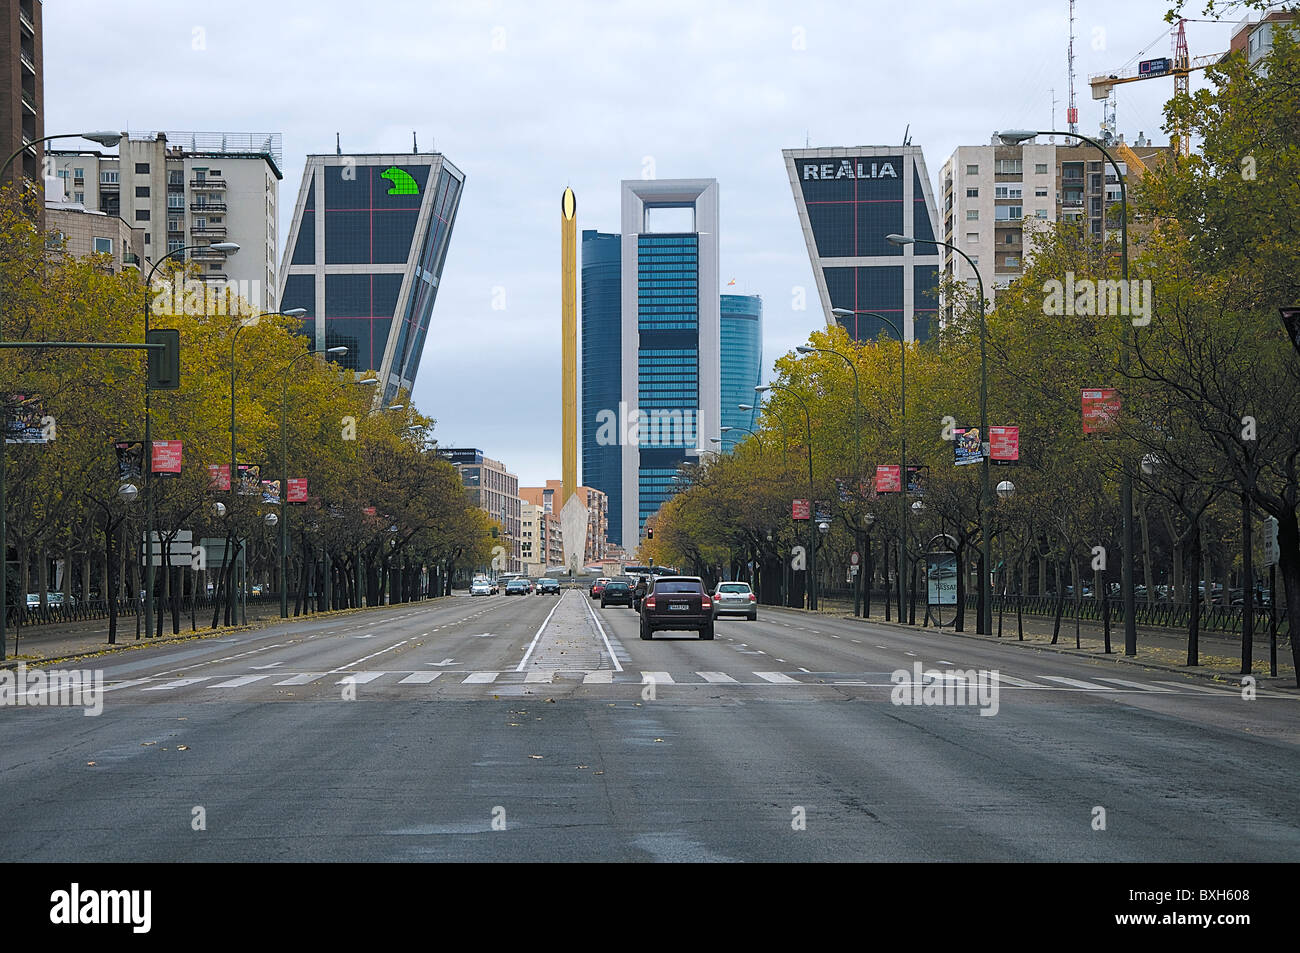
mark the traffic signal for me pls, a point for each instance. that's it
(164, 363)
(649, 533)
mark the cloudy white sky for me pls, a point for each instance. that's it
(529, 97)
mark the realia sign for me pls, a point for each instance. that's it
(849, 169)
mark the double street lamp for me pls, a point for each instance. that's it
(986, 496)
(812, 492)
(1016, 137)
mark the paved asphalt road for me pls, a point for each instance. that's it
(517, 728)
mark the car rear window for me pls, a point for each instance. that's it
(608, 586)
(678, 585)
(730, 587)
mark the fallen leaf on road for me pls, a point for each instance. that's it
(145, 744)
(91, 764)
(178, 747)
(657, 740)
(535, 757)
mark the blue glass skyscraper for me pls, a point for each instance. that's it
(602, 465)
(742, 362)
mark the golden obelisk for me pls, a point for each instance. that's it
(573, 514)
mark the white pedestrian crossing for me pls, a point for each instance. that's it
(480, 678)
(778, 678)
(239, 682)
(417, 678)
(716, 677)
(1138, 685)
(1076, 683)
(175, 683)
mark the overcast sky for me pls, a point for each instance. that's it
(529, 97)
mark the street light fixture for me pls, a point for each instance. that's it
(986, 496)
(127, 492)
(1006, 489)
(812, 492)
(108, 139)
(1128, 562)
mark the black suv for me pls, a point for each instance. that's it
(677, 602)
(617, 592)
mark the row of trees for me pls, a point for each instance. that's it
(1210, 389)
(379, 495)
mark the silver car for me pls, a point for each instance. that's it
(735, 598)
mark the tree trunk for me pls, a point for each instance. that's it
(1194, 571)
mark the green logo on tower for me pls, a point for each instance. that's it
(403, 184)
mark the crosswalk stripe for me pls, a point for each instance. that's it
(659, 678)
(129, 683)
(715, 677)
(302, 679)
(1017, 682)
(778, 677)
(480, 678)
(604, 677)
(419, 678)
(176, 683)
(1128, 684)
(240, 681)
(1197, 688)
(1076, 683)
(534, 677)
(360, 678)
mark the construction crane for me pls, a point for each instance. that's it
(1180, 66)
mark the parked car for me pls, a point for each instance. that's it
(598, 587)
(735, 598)
(616, 593)
(548, 585)
(518, 587)
(481, 588)
(677, 602)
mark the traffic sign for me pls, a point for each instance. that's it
(854, 559)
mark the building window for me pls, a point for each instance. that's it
(80, 199)
(142, 192)
(970, 194)
(1008, 213)
(173, 225)
(174, 177)
(1013, 261)
(1040, 168)
(1008, 191)
(175, 200)
(105, 245)
(109, 178)
(974, 260)
(1038, 194)
(142, 168)
(1038, 213)
(172, 246)
(972, 215)
(142, 215)
(81, 174)
(970, 170)
(971, 237)
(1009, 167)
(146, 241)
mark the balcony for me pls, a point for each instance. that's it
(207, 231)
(207, 184)
(1065, 203)
(26, 21)
(27, 61)
(214, 255)
(198, 208)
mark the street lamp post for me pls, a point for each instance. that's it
(284, 476)
(812, 492)
(761, 448)
(986, 495)
(1015, 137)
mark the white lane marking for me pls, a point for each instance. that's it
(833, 636)
(539, 677)
(603, 637)
(305, 679)
(176, 683)
(419, 678)
(804, 670)
(942, 661)
(602, 677)
(1197, 688)
(854, 641)
(1128, 684)
(533, 644)
(352, 665)
(659, 678)
(878, 646)
(258, 667)
(1018, 682)
(913, 654)
(240, 681)
(480, 635)
(129, 682)
(779, 660)
(446, 661)
(1076, 683)
(778, 677)
(480, 678)
(715, 677)
(360, 678)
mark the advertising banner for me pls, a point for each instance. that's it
(888, 479)
(917, 477)
(297, 490)
(800, 509)
(1004, 444)
(130, 461)
(166, 456)
(941, 571)
(1100, 409)
(23, 416)
(219, 476)
(250, 479)
(271, 491)
(966, 446)
(823, 511)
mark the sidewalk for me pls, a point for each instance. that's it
(1163, 649)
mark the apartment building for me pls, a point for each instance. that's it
(495, 490)
(22, 115)
(597, 503)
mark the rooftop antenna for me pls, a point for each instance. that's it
(1072, 112)
(906, 129)
(415, 149)
(1052, 139)
(807, 140)
(338, 146)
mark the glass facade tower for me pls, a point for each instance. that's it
(742, 362)
(602, 465)
(365, 254)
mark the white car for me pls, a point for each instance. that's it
(735, 598)
(481, 588)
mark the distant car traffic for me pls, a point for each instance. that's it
(481, 588)
(548, 585)
(735, 598)
(677, 602)
(617, 592)
(598, 587)
(518, 587)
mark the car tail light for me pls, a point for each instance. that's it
(705, 603)
(649, 603)
(753, 598)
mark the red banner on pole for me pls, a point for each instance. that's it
(1004, 444)
(801, 509)
(219, 476)
(166, 456)
(297, 490)
(889, 479)
(1100, 409)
